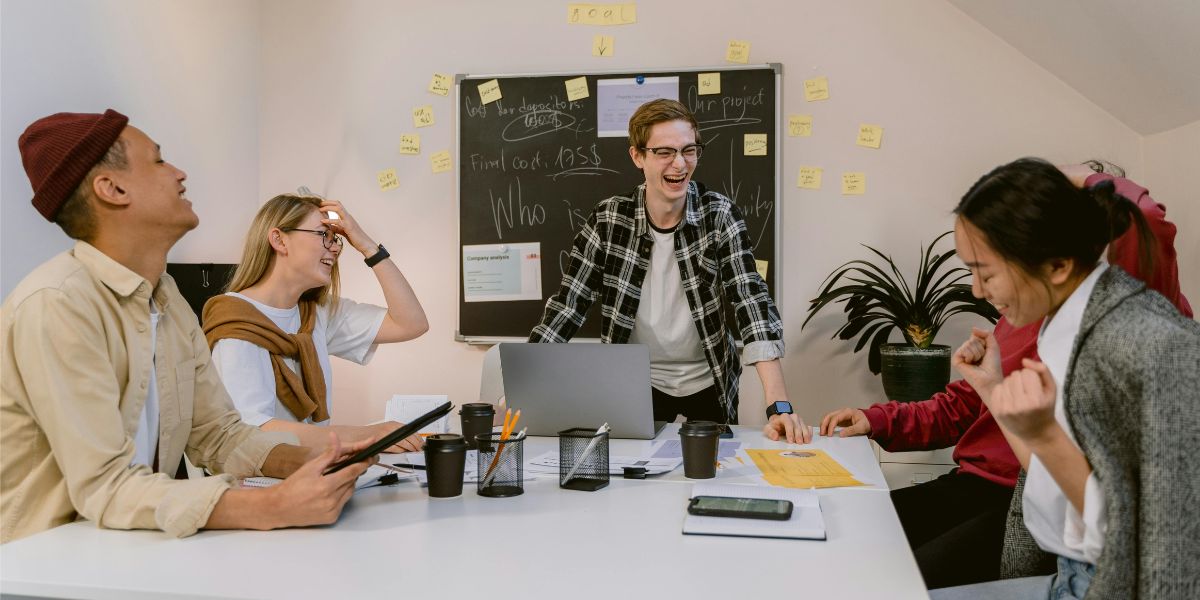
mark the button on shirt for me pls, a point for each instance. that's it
(1051, 518)
(75, 370)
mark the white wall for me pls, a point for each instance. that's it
(1171, 161)
(184, 72)
(339, 82)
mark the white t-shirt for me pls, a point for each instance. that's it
(145, 439)
(664, 324)
(1051, 518)
(246, 368)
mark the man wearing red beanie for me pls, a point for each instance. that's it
(105, 376)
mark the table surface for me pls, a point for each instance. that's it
(547, 543)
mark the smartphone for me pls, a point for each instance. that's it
(743, 508)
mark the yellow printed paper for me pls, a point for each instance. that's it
(602, 45)
(410, 143)
(755, 144)
(709, 83)
(738, 52)
(800, 125)
(761, 267)
(602, 14)
(816, 89)
(577, 89)
(388, 180)
(810, 178)
(854, 184)
(440, 84)
(440, 161)
(802, 468)
(869, 135)
(423, 116)
(489, 91)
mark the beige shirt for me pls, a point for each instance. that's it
(75, 365)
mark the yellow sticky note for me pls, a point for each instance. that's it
(423, 116)
(869, 135)
(387, 180)
(816, 88)
(440, 84)
(800, 125)
(602, 45)
(810, 178)
(709, 83)
(577, 89)
(602, 14)
(755, 144)
(410, 143)
(440, 161)
(761, 267)
(738, 52)
(854, 184)
(489, 91)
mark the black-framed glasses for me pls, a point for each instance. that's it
(691, 152)
(328, 238)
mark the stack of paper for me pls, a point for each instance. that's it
(806, 522)
(547, 464)
(373, 476)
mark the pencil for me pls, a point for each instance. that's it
(504, 433)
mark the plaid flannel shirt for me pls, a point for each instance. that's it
(609, 260)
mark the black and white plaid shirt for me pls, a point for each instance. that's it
(609, 260)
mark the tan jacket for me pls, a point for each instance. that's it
(74, 369)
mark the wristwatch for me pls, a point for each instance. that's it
(379, 255)
(779, 407)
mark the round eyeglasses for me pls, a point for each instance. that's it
(328, 238)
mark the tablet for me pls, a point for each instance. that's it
(390, 439)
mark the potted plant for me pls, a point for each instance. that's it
(876, 302)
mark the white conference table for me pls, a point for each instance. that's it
(622, 541)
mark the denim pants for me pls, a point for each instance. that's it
(1069, 583)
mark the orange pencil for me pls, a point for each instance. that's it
(504, 433)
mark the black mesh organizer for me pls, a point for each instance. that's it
(586, 473)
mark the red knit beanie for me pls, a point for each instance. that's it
(59, 150)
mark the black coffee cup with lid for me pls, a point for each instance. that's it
(699, 440)
(445, 461)
(477, 418)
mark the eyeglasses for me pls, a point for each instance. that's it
(328, 238)
(691, 152)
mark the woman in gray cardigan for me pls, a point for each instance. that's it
(1106, 423)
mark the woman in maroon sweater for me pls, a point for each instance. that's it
(955, 523)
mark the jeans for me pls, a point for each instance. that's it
(1069, 583)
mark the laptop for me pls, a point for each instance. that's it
(562, 386)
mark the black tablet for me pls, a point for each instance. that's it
(390, 439)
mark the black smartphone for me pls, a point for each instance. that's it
(743, 508)
(390, 439)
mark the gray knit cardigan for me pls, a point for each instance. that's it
(1132, 397)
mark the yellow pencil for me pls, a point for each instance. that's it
(504, 433)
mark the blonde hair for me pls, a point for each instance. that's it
(284, 211)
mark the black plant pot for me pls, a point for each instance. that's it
(911, 374)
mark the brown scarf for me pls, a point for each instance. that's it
(304, 394)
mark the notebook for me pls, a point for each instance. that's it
(806, 522)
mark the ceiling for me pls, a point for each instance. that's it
(1137, 59)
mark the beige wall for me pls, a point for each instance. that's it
(1171, 159)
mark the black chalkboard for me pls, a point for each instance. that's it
(531, 168)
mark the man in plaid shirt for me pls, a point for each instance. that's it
(663, 262)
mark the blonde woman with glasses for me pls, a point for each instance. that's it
(272, 333)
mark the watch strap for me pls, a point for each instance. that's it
(376, 258)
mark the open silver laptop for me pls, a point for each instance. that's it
(561, 386)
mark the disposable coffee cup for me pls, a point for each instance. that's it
(477, 418)
(699, 440)
(445, 461)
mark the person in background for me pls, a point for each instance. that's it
(955, 524)
(105, 379)
(272, 333)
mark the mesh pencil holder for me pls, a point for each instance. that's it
(501, 466)
(577, 471)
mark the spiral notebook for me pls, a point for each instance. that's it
(806, 523)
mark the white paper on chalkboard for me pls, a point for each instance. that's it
(502, 272)
(616, 99)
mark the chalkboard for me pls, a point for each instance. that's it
(531, 168)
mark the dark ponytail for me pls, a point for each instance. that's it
(1031, 213)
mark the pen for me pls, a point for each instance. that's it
(586, 451)
(407, 466)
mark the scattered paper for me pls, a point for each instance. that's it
(441, 161)
(602, 14)
(502, 272)
(802, 468)
(410, 143)
(709, 83)
(738, 52)
(674, 449)
(617, 99)
(440, 84)
(548, 464)
(854, 184)
(489, 91)
(577, 89)
(403, 408)
(761, 267)
(800, 125)
(388, 180)
(755, 144)
(602, 45)
(816, 89)
(423, 116)
(810, 178)
(373, 476)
